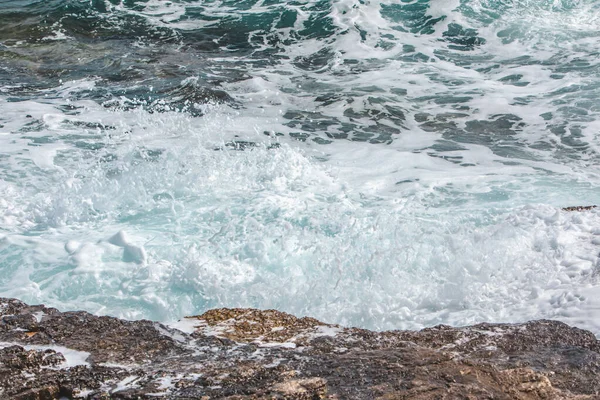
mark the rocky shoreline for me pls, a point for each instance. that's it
(252, 354)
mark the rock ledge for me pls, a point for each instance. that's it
(252, 354)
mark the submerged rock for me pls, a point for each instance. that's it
(251, 354)
(579, 208)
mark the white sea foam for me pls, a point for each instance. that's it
(402, 235)
(337, 239)
(126, 383)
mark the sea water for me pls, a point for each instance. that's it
(384, 164)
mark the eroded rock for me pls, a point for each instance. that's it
(253, 354)
(250, 325)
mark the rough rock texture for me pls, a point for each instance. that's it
(579, 208)
(251, 354)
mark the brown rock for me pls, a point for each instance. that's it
(253, 354)
(248, 325)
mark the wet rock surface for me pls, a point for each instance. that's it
(251, 354)
(579, 208)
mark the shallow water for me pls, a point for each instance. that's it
(380, 164)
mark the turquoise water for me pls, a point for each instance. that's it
(383, 164)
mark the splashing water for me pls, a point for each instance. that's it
(378, 164)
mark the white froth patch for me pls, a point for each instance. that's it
(285, 345)
(72, 246)
(326, 330)
(73, 358)
(39, 315)
(176, 335)
(275, 363)
(88, 258)
(43, 157)
(131, 252)
(127, 367)
(167, 383)
(84, 394)
(186, 325)
(126, 383)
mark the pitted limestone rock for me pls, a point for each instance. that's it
(250, 325)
